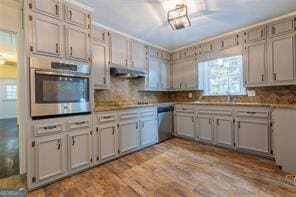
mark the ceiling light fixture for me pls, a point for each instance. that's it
(2, 60)
(178, 17)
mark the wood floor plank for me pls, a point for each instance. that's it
(177, 167)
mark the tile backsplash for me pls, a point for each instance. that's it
(124, 91)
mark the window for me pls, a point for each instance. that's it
(222, 76)
(10, 91)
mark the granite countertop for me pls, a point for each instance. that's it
(99, 108)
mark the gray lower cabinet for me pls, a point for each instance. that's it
(79, 149)
(185, 121)
(252, 135)
(149, 126)
(205, 128)
(224, 131)
(50, 157)
(108, 141)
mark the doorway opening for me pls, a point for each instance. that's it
(9, 129)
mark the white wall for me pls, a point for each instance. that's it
(7, 107)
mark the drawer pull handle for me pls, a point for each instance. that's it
(80, 123)
(107, 117)
(50, 127)
(251, 112)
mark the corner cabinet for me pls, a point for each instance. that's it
(100, 59)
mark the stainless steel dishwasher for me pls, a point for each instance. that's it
(165, 122)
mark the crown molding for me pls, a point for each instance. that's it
(237, 31)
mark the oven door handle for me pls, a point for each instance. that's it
(60, 74)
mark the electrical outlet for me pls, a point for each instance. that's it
(190, 95)
(251, 93)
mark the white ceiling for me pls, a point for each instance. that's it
(147, 19)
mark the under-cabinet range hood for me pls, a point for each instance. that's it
(124, 72)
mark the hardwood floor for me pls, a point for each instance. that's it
(177, 167)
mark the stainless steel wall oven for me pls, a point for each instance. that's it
(59, 88)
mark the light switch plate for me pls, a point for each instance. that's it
(251, 93)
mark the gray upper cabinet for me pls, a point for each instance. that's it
(282, 27)
(153, 73)
(228, 42)
(101, 72)
(52, 8)
(164, 74)
(206, 48)
(255, 34)
(255, 63)
(189, 72)
(77, 16)
(137, 55)
(41, 28)
(77, 43)
(190, 52)
(79, 149)
(100, 59)
(177, 72)
(282, 58)
(119, 50)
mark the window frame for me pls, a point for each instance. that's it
(9, 93)
(204, 80)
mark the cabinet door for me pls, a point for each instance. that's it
(206, 48)
(255, 63)
(129, 136)
(190, 74)
(185, 125)
(190, 52)
(41, 29)
(282, 26)
(100, 66)
(153, 73)
(205, 128)
(178, 75)
(77, 16)
(119, 48)
(149, 132)
(50, 157)
(252, 135)
(79, 150)
(77, 44)
(164, 74)
(228, 42)
(138, 55)
(100, 35)
(224, 131)
(256, 34)
(282, 58)
(107, 141)
(51, 8)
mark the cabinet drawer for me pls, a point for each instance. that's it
(106, 118)
(49, 128)
(255, 34)
(282, 27)
(215, 112)
(148, 112)
(185, 109)
(47, 7)
(77, 16)
(252, 113)
(128, 115)
(79, 123)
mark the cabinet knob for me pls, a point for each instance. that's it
(73, 141)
